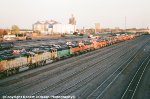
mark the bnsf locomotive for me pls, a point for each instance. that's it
(14, 61)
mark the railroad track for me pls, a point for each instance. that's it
(85, 81)
(85, 55)
(70, 90)
(65, 80)
(134, 84)
(102, 88)
(109, 48)
(22, 86)
(79, 59)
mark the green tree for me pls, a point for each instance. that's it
(15, 29)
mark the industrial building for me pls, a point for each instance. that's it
(54, 27)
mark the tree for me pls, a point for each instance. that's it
(3, 32)
(15, 29)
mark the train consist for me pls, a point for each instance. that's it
(27, 58)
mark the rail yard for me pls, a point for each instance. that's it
(76, 68)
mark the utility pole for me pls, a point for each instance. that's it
(125, 23)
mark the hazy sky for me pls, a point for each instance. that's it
(109, 13)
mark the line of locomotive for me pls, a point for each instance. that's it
(17, 60)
